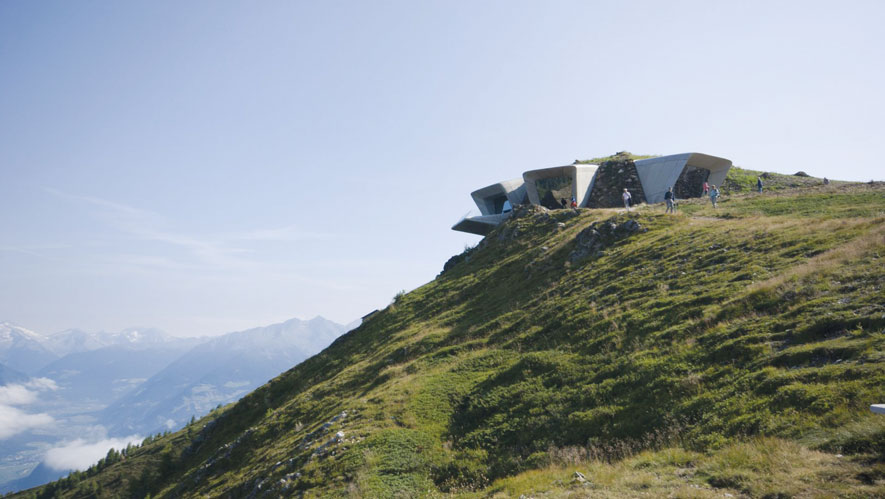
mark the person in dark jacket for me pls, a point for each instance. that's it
(759, 184)
(670, 199)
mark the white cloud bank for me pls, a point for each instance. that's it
(14, 420)
(80, 454)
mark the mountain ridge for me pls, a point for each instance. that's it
(102, 387)
(673, 351)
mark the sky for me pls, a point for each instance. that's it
(205, 167)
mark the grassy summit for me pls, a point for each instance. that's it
(616, 156)
(716, 351)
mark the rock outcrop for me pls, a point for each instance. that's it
(599, 235)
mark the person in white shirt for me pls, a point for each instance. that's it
(627, 198)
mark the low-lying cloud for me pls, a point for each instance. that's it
(14, 420)
(80, 454)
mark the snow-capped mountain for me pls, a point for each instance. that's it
(218, 372)
(23, 349)
(138, 381)
(99, 376)
(77, 340)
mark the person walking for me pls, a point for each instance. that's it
(669, 199)
(714, 195)
(574, 203)
(563, 203)
(627, 198)
(706, 188)
(759, 184)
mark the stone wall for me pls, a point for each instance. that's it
(611, 179)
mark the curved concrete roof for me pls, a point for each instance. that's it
(655, 174)
(581, 175)
(514, 190)
(658, 174)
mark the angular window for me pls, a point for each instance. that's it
(498, 203)
(553, 190)
(691, 182)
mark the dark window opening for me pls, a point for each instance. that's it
(691, 182)
(553, 190)
(498, 204)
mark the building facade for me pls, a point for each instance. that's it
(595, 186)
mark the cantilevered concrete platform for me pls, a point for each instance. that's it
(480, 225)
(685, 173)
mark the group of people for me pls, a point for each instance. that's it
(670, 196)
(574, 203)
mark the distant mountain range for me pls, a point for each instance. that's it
(139, 380)
(29, 352)
(219, 371)
(23, 349)
(105, 374)
(76, 340)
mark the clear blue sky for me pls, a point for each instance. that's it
(204, 167)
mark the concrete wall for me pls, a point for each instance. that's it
(581, 175)
(484, 198)
(658, 174)
(655, 176)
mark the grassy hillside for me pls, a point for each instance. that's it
(719, 351)
(743, 180)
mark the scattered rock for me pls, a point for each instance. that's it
(579, 477)
(599, 235)
(455, 260)
(801, 174)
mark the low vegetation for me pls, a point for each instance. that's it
(617, 156)
(718, 351)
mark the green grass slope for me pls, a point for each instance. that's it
(732, 350)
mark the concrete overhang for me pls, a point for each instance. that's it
(513, 190)
(480, 225)
(581, 175)
(659, 174)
